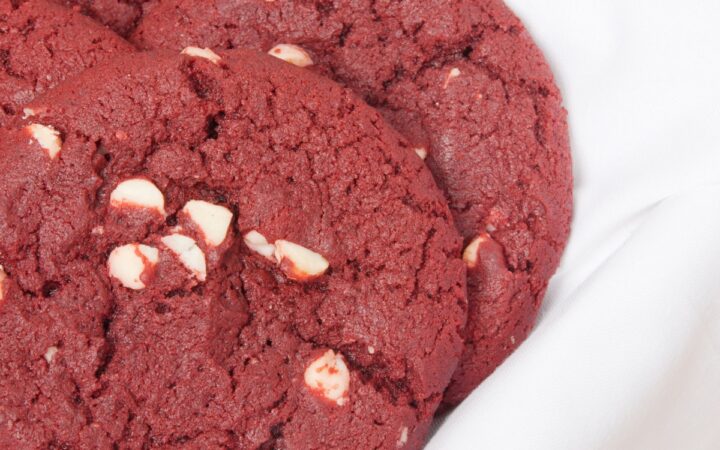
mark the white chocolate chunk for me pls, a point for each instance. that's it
(371, 349)
(470, 254)
(3, 277)
(298, 262)
(213, 221)
(402, 440)
(48, 138)
(128, 263)
(34, 112)
(50, 354)
(291, 53)
(421, 152)
(329, 377)
(257, 243)
(454, 73)
(138, 192)
(190, 255)
(205, 53)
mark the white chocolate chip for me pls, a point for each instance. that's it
(512, 340)
(48, 138)
(213, 221)
(257, 243)
(33, 112)
(98, 230)
(371, 350)
(138, 192)
(470, 255)
(128, 263)
(402, 440)
(490, 228)
(190, 255)
(205, 53)
(329, 377)
(298, 262)
(421, 152)
(3, 277)
(454, 73)
(50, 354)
(293, 54)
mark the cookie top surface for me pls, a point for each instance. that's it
(220, 249)
(465, 84)
(119, 15)
(42, 44)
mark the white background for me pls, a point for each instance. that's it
(626, 354)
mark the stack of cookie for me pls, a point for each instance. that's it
(267, 224)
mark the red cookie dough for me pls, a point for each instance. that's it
(42, 44)
(464, 82)
(220, 251)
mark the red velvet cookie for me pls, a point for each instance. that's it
(41, 44)
(120, 15)
(465, 84)
(220, 250)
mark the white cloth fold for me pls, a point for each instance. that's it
(626, 354)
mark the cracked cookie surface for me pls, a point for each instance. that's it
(463, 81)
(220, 250)
(42, 44)
(122, 16)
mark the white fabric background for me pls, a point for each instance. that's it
(626, 354)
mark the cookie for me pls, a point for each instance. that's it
(465, 84)
(42, 44)
(120, 15)
(220, 250)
